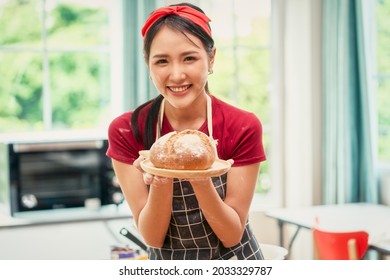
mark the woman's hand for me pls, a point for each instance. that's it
(205, 180)
(137, 163)
(150, 179)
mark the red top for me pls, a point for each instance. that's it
(238, 132)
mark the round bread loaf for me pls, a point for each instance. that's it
(185, 150)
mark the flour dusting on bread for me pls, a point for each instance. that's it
(184, 150)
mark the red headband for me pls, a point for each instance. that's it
(182, 11)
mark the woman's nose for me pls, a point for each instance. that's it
(177, 73)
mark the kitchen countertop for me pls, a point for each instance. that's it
(67, 215)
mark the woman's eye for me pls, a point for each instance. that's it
(189, 58)
(161, 61)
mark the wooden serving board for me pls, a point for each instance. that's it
(218, 168)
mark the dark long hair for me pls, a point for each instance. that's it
(185, 26)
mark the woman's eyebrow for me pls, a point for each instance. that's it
(159, 56)
(189, 53)
(156, 56)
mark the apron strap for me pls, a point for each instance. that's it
(209, 115)
(160, 119)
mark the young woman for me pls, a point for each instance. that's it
(203, 218)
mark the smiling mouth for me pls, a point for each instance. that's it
(179, 89)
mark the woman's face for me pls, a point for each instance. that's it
(179, 66)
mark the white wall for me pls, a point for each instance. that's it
(298, 80)
(384, 186)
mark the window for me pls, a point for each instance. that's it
(54, 64)
(57, 64)
(383, 78)
(242, 67)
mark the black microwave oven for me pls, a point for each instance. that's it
(52, 174)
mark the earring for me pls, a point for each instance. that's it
(211, 71)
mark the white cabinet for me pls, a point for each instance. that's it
(70, 241)
(68, 234)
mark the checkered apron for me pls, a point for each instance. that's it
(189, 235)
